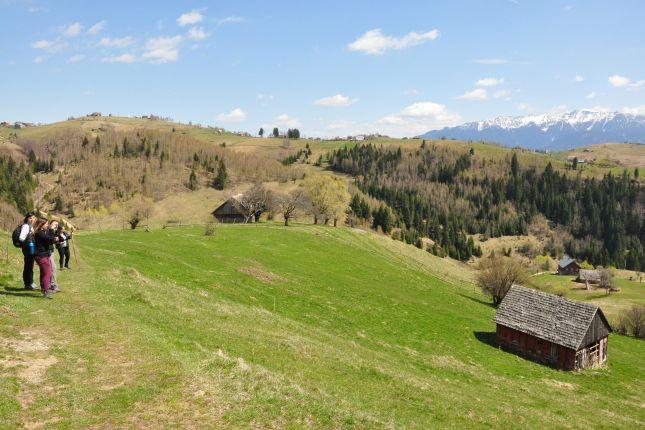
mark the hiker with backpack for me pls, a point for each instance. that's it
(44, 241)
(52, 230)
(63, 246)
(23, 238)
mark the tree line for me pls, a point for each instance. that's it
(447, 194)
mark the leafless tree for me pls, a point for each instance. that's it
(606, 280)
(290, 204)
(497, 274)
(253, 202)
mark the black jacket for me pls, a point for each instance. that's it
(44, 243)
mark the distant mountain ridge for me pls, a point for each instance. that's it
(551, 131)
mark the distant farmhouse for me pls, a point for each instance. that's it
(229, 211)
(552, 330)
(568, 266)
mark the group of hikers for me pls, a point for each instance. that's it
(38, 238)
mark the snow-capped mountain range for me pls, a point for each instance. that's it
(551, 131)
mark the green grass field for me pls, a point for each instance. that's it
(613, 305)
(270, 327)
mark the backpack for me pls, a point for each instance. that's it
(15, 237)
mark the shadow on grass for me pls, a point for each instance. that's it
(21, 293)
(487, 337)
(476, 300)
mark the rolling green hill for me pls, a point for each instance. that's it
(262, 326)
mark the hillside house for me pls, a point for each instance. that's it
(229, 212)
(552, 330)
(588, 277)
(568, 266)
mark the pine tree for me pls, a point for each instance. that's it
(276, 132)
(193, 184)
(261, 132)
(221, 179)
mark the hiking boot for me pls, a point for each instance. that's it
(55, 289)
(31, 287)
(68, 268)
(47, 295)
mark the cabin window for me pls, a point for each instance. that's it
(593, 352)
(554, 352)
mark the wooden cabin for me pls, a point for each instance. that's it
(552, 330)
(568, 266)
(229, 211)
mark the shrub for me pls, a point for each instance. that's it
(210, 229)
(632, 322)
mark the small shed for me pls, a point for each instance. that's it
(229, 211)
(553, 330)
(589, 277)
(568, 266)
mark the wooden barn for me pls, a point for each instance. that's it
(553, 330)
(568, 266)
(229, 211)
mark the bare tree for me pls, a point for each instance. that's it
(606, 280)
(290, 204)
(253, 202)
(497, 274)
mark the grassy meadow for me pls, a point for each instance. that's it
(262, 326)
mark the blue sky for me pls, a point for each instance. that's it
(328, 68)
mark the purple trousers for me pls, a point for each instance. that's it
(44, 264)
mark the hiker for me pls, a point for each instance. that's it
(53, 284)
(26, 243)
(44, 240)
(63, 246)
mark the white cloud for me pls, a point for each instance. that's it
(524, 106)
(592, 95)
(88, 93)
(96, 28)
(618, 81)
(418, 118)
(411, 92)
(189, 18)
(559, 109)
(287, 121)
(374, 42)
(73, 30)
(236, 115)
(124, 58)
(39, 59)
(121, 42)
(75, 58)
(36, 9)
(476, 94)
(51, 46)
(502, 94)
(230, 20)
(636, 110)
(578, 78)
(489, 82)
(266, 97)
(197, 33)
(337, 100)
(492, 61)
(163, 49)
(42, 44)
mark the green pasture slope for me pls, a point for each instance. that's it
(272, 327)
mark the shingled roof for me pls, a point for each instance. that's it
(547, 316)
(566, 261)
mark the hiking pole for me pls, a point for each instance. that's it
(74, 251)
